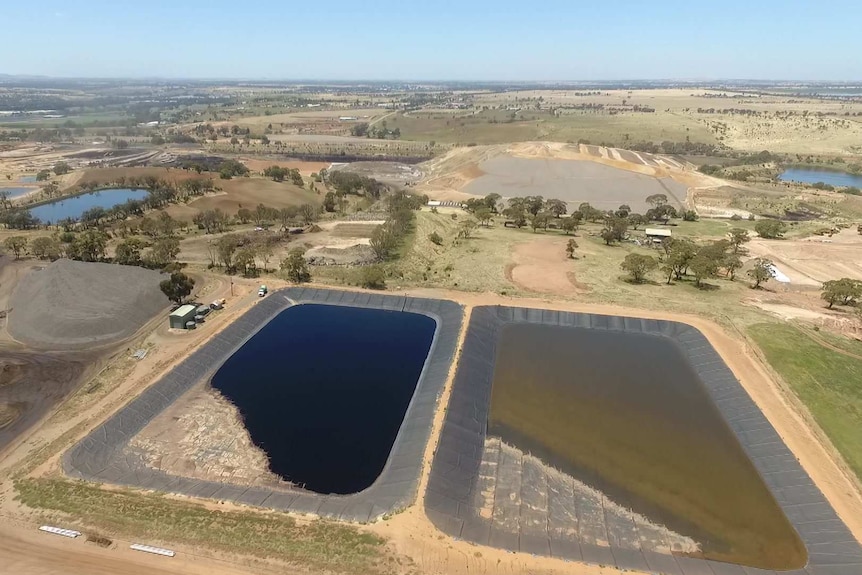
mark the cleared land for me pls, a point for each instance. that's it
(78, 304)
(573, 181)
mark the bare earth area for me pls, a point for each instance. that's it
(811, 261)
(539, 265)
(202, 436)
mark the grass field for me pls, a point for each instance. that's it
(495, 127)
(320, 545)
(826, 381)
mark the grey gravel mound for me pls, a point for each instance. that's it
(71, 304)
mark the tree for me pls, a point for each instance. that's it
(263, 250)
(731, 262)
(704, 265)
(638, 266)
(656, 200)
(277, 173)
(16, 244)
(89, 245)
(308, 213)
(373, 277)
(483, 215)
(689, 216)
(164, 251)
(636, 220)
(329, 202)
(557, 207)
(244, 260)
(770, 229)
(570, 224)
(679, 254)
(540, 220)
(226, 248)
(128, 252)
(384, 240)
(45, 248)
(178, 287)
(615, 229)
(61, 168)
(845, 291)
(359, 130)
(43, 175)
(435, 238)
(571, 246)
(762, 271)
(295, 268)
(738, 237)
(465, 230)
(244, 215)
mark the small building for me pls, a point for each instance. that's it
(656, 235)
(180, 317)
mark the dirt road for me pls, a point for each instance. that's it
(31, 552)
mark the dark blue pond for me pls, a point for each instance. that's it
(807, 176)
(77, 205)
(323, 390)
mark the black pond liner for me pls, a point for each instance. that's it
(101, 456)
(323, 390)
(832, 549)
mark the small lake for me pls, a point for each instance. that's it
(75, 206)
(809, 176)
(17, 192)
(323, 390)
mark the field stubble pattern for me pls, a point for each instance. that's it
(454, 484)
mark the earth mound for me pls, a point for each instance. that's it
(71, 304)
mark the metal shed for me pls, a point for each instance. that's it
(181, 315)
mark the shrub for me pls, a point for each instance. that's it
(435, 238)
(373, 277)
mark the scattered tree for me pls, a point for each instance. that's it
(571, 246)
(384, 240)
(435, 238)
(615, 229)
(638, 266)
(163, 252)
(844, 291)
(373, 277)
(762, 271)
(128, 252)
(689, 216)
(45, 248)
(178, 287)
(61, 168)
(16, 244)
(770, 229)
(295, 268)
(738, 237)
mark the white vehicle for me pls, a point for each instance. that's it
(262, 291)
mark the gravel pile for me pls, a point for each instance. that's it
(71, 304)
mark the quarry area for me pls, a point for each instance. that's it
(568, 208)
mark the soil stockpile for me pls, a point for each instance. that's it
(72, 304)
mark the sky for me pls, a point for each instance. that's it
(503, 40)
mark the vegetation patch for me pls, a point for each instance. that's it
(319, 544)
(829, 383)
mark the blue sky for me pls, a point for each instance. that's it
(434, 40)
